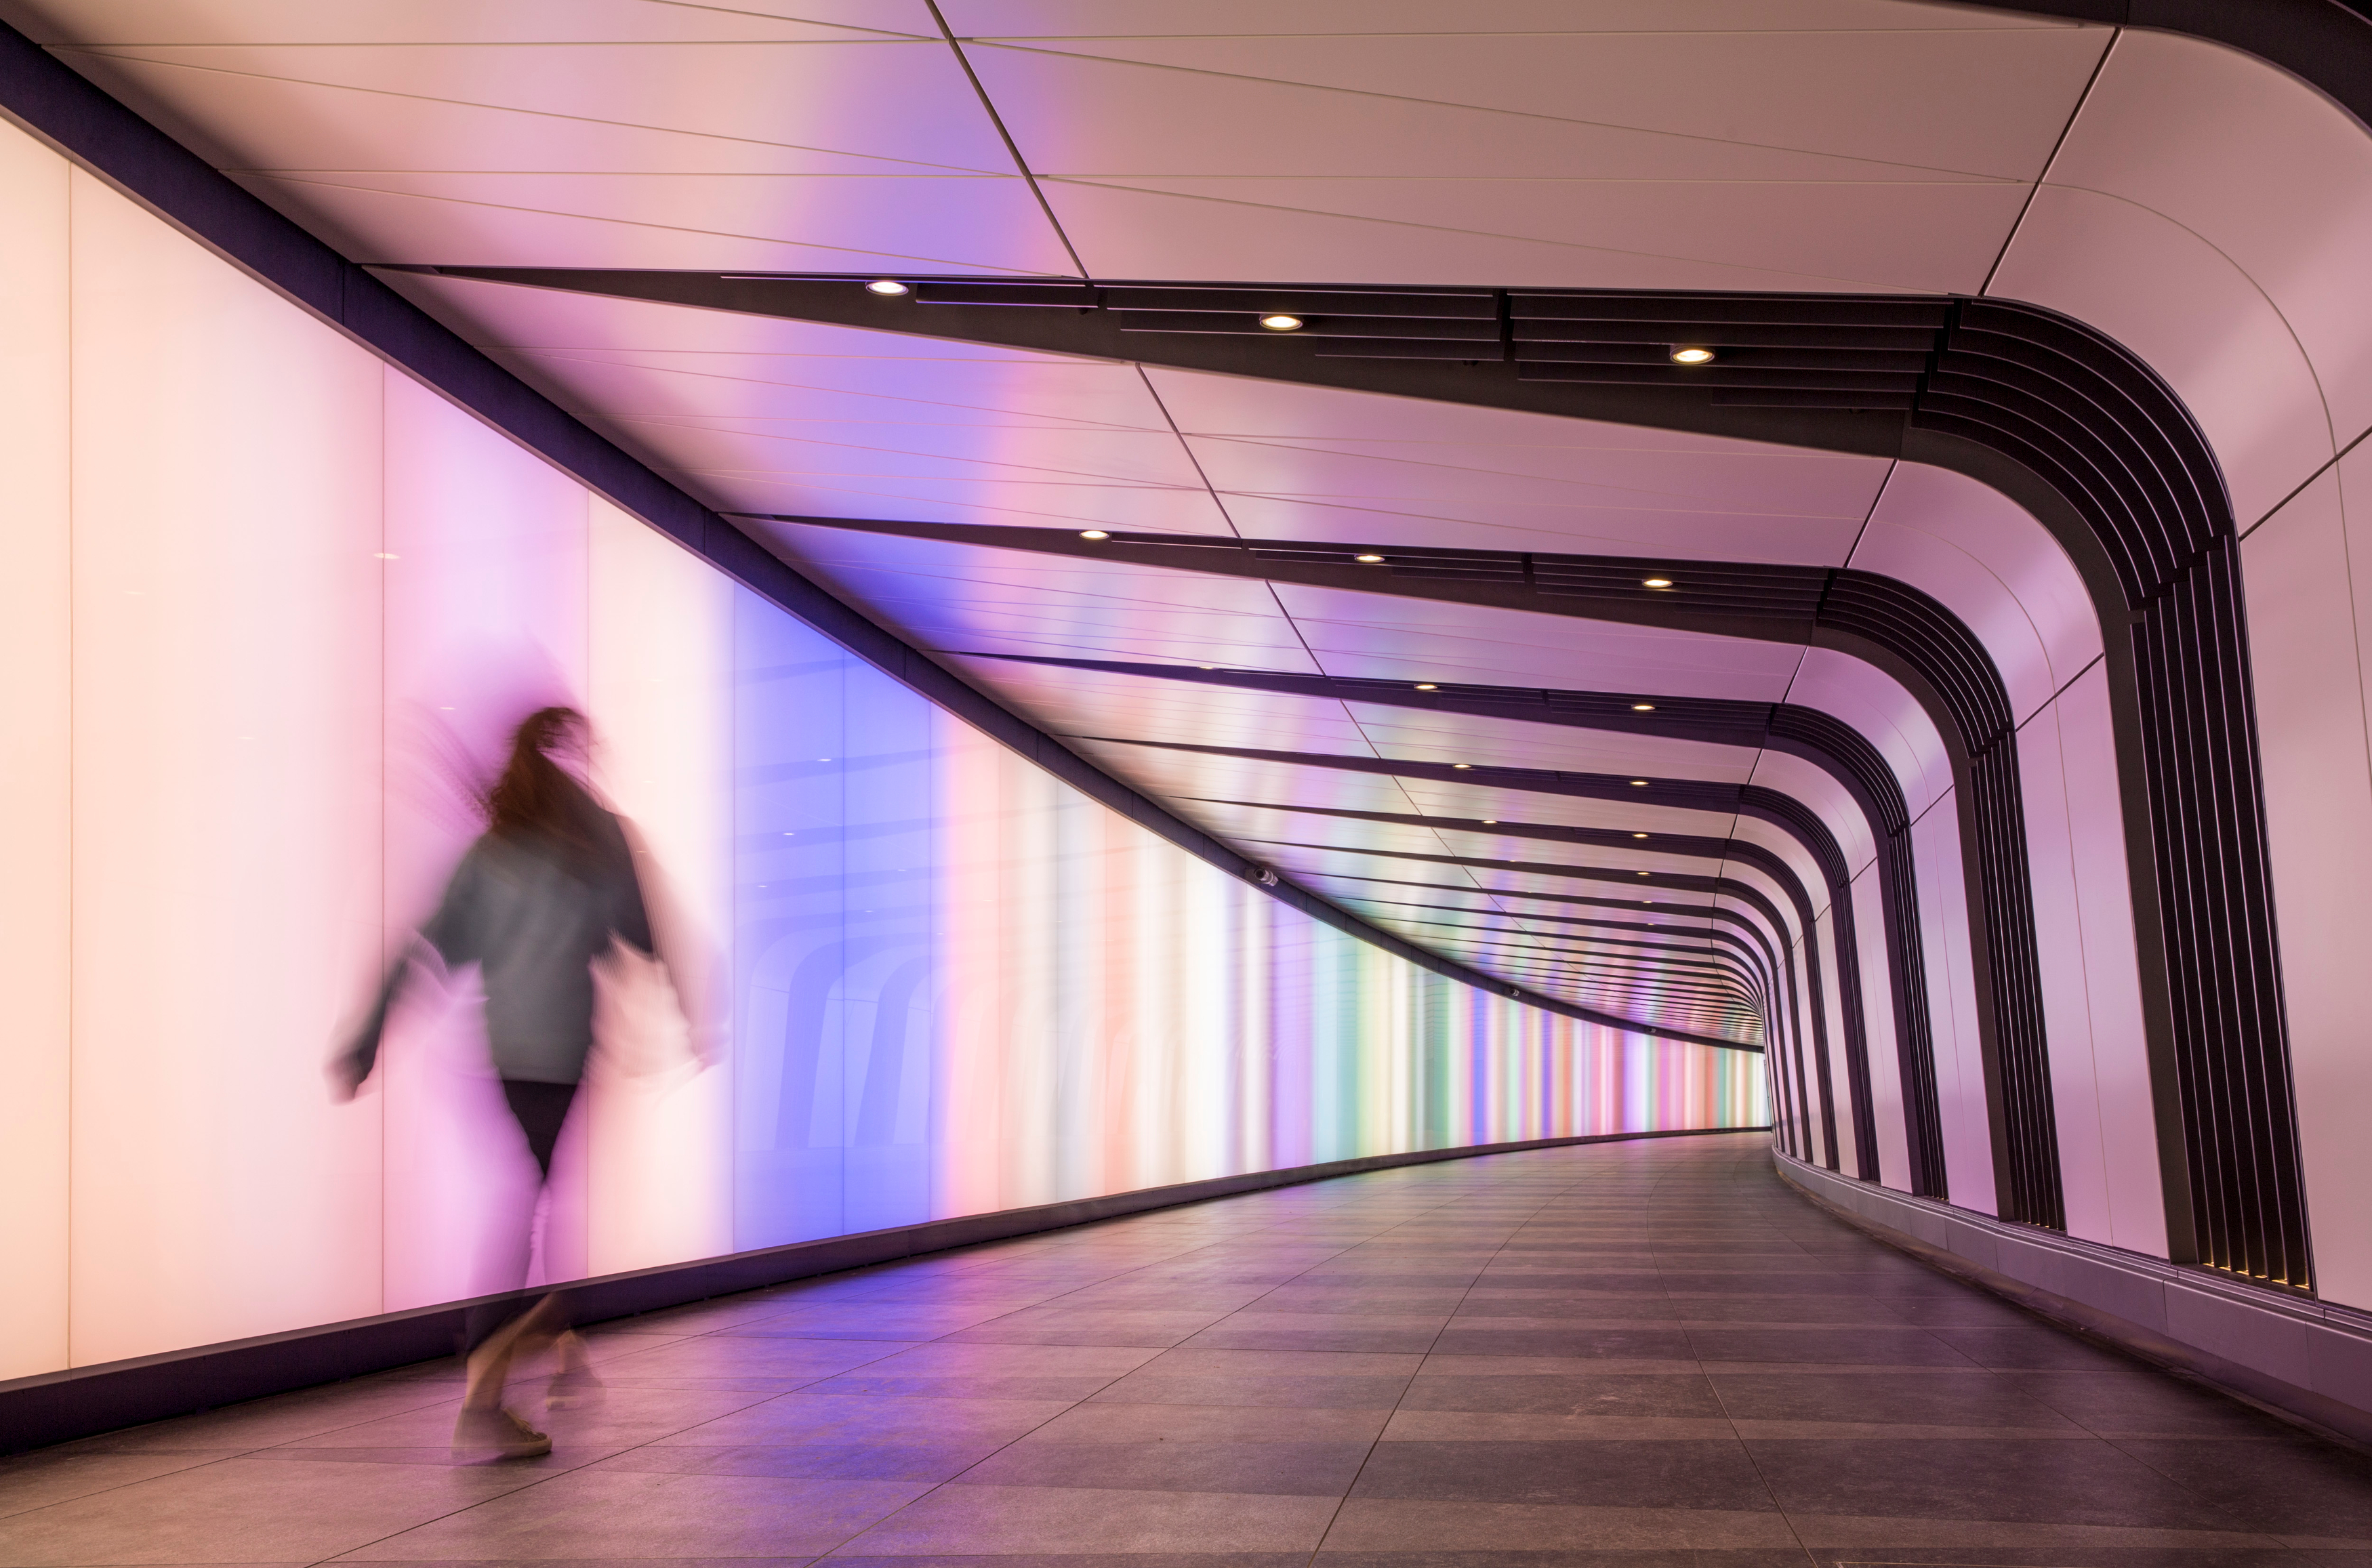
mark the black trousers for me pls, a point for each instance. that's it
(540, 1110)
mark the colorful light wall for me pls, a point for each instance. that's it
(267, 609)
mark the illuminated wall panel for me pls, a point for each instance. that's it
(225, 756)
(270, 610)
(36, 733)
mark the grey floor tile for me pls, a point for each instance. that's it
(1251, 1388)
(611, 1513)
(1010, 1520)
(1278, 1469)
(2058, 1482)
(248, 1510)
(1093, 1423)
(1697, 1474)
(812, 1417)
(35, 1481)
(1679, 1395)
(1943, 1397)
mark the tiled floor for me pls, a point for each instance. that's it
(1628, 1355)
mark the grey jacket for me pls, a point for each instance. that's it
(533, 914)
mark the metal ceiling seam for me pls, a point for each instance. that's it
(74, 117)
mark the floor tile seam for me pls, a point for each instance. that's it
(142, 1481)
(2185, 1487)
(938, 1486)
(1366, 1459)
(1751, 1458)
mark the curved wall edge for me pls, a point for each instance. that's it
(2307, 1359)
(57, 1407)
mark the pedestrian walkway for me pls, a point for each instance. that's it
(1536, 1358)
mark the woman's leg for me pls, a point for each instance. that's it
(540, 1110)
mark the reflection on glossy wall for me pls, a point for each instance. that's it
(267, 609)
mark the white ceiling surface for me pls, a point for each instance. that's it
(1844, 144)
(1851, 145)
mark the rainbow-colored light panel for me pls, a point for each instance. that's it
(267, 609)
(964, 986)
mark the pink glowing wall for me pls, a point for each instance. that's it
(267, 609)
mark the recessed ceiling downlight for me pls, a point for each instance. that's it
(1643, 707)
(1690, 355)
(1428, 686)
(1461, 764)
(887, 286)
(1638, 783)
(1369, 559)
(1656, 583)
(1638, 835)
(1093, 533)
(1280, 322)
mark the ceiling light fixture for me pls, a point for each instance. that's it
(1282, 323)
(1093, 533)
(1638, 835)
(1656, 583)
(1369, 559)
(1643, 707)
(1643, 874)
(1690, 355)
(887, 286)
(1489, 821)
(1428, 686)
(1461, 764)
(1638, 783)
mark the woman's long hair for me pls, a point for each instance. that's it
(535, 797)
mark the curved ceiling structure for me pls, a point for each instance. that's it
(1285, 407)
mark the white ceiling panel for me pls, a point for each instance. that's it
(894, 98)
(1260, 19)
(1202, 776)
(944, 612)
(1887, 715)
(377, 22)
(1382, 636)
(770, 222)
(1474, 802)
(1094, 705)
(1081, 505)
(1670, 535)
(1989, 563)
(1812, 784)
(1987, 101)
(345, 128)
(1750, 481)
(1129, 233)
(1419, 735)
(1931, 236)
(1014, 452)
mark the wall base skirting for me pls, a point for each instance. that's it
(57, 1406)
(2305, 1359)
